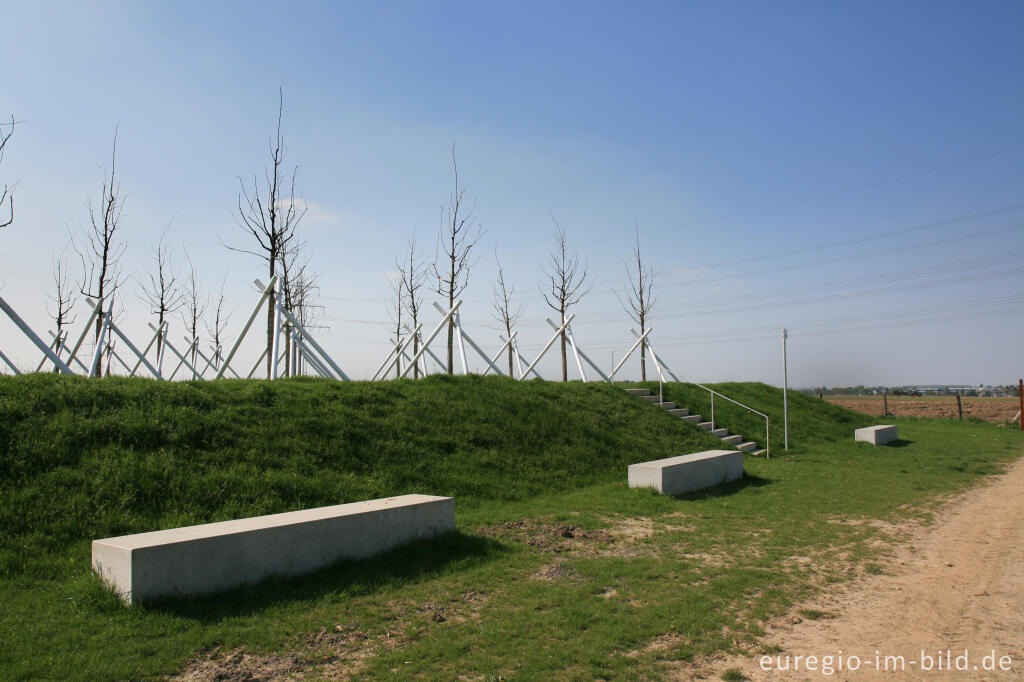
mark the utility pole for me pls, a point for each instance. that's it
(785, 387)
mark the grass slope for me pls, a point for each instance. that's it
(558, 570)
(811, 421)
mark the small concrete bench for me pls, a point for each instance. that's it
(687, 473)
(216, 556)
(876, 435)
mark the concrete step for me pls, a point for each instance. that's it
(749, 446)
(693, 418)
(679, 412)
(666, 405)
(759, 453)
(651, 398)
(638, 391)
(707, 426)
(734, 439)
(720, 433)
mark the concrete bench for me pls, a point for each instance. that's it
(876, 435)
(687, 473)
(216, 556)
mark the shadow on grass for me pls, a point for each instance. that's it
(726, 489)
(898, 443)
(408, 564)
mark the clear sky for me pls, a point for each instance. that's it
(851, 171)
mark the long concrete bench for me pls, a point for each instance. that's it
(876, 435)
(687, 473)
(216, 556)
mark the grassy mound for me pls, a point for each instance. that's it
(83, 459)
(811, 421)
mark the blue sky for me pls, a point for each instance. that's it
(773, 156)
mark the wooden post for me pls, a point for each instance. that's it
(1020, 396)
(959, 407)
(885, 401)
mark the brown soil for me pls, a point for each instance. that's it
(955, 586)
(997, 410)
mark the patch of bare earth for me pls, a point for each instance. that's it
(955, 586)
(339, 653)
(996, 410)
(619, 538)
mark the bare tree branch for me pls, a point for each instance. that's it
(221, 317)
(565, 279)
(7, 193)
(193, 308)
(162, 293)
(458, 235)
(102, 252)
(271, 214)
(640, 298)
(413, 277)
(64, 299)
(503, 310)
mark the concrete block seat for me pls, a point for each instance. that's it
(876, 435)
(687, 473)
(211, 557)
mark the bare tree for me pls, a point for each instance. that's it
(102, 252)
(162, 292)
(640, 298)
(298, 284)
(271, 215)
(395, 308)
(565, 281)
(503, 311)
(459, 234)
(64, 300)
(221, 317)
(414, 274)
(193, 308)
(7, 193)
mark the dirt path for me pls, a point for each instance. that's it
(957, 585)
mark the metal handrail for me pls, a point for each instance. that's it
(767, 425)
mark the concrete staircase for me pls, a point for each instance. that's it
(734, 440)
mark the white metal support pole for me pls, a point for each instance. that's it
(9, 363)
(388, 362)
(576, 353)
(785, 387)
(517, 355)
(471, 342)
(245, 329)
(580, 354)
(433, 355)
(314, 345)
(34, 338)
(277, 333)
(497, 355)
(156, 335)
(659, 360)
(462, 347)
(100, 340)
(399, 353)
(317, 366)
(114, 328)
(433, 335)
(85, 331)
(182, 359)
(75, 360)
(628, 353)
(55, 347)
(550, 342)
(263, 356)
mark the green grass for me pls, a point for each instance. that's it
(647, 582)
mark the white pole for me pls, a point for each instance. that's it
(245, 329)
(785, 387)
(274, 359)
(628, 353)
(583, 355)
(9, 363)
(100, 340)
(35, 339)
(462, 347)
(549, 343)
(433, 334)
